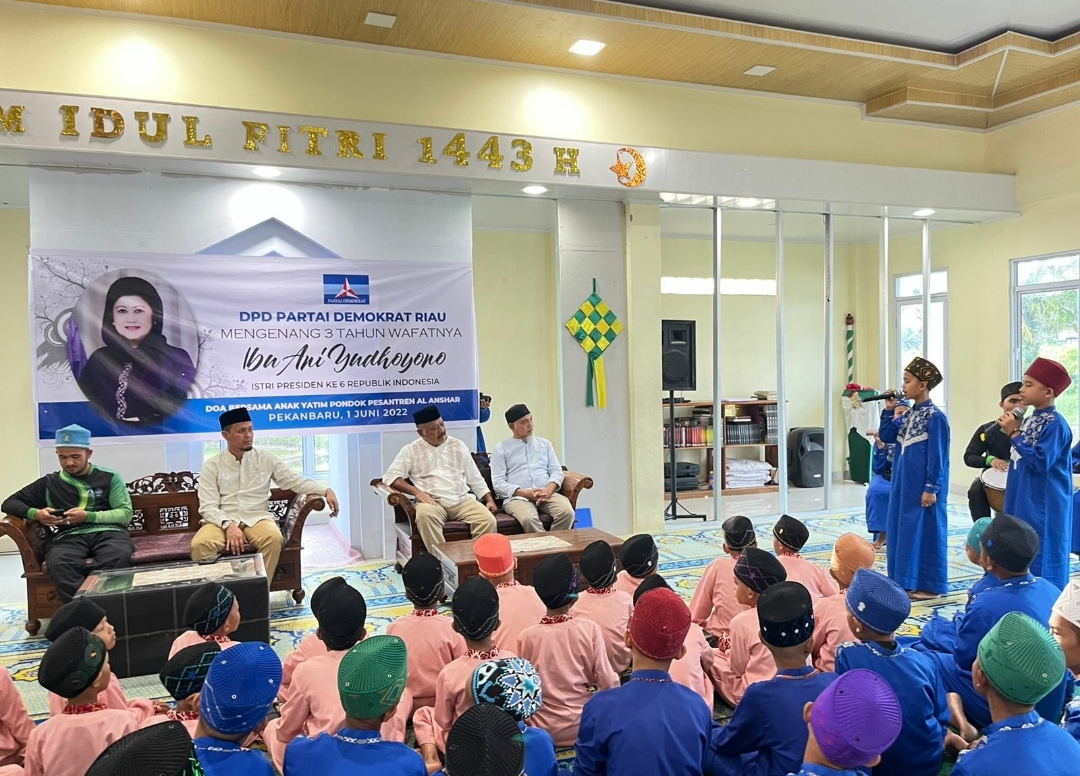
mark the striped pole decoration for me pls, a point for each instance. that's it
(850, 337)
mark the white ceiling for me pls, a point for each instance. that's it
(940, 25)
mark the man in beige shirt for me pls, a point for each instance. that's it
(439, 472)
(234, 495)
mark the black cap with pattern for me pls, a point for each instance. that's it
(786, 614)
(598, 565)
(556, 581)
(423, 579)
(1011, 543)
(485, 741)
(759, 570)
(320, 591)
(208, 608)
(81, 612)
(639, 555)
(926, 371)
(342, 614)
(72, 663)
(650, 583)
(739, 532)
(791, 532)
(184, 673)
(476, 609)
(164, 749)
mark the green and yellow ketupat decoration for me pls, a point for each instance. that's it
(595, 327)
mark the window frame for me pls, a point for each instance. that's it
(898, 302)
(307, 447)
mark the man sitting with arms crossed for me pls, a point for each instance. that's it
(85, 510)
(526, 473)
(439, 472)
(234, 495)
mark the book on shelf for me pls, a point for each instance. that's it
(690, 432)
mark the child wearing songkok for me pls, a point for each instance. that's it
(877, 607)
(1019, 663)
(476, 615)
(371, 680)
(513, 685)
(789, 537)
(239, 692)
(852, 722)
(485, 741)
(880, 487)
(603, 604)
(161, 750)
(650, 725)
(429, 636)
(311, 645)
(748, 660)
(850, 553)
(212, 613)
(76, 667)
(519, 608)
(1008, 546)
(713, 604)
(568, 652)
(765, 735)
(694, 668)
(639, 557)
(1040, 488)
(15, 726)
(314, 705)
(918, 522)
(1065, 628)
(183, 676)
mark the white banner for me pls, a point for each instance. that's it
(159, 346)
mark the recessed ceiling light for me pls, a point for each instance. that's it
(759, 70)
(380, 19)
(267, 172)
(924, 213)
(587, 48)
(534, 190)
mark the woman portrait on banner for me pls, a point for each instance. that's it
(137, 377)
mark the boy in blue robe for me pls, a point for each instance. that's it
(918, 523)
(1017, 666)
(513, 685)
(1040, 490)
(238, 693)
(371, 679)
(1076, 501)
(1008, 545)
(765, 735)
(1065, 628)
(852, 722)
(877, 607)
(877, 493)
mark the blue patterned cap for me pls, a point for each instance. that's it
(511, 683)
(877, 602)
(974, 537)
(240, 688)
(73, 436)
(208, 608)
(185, 672)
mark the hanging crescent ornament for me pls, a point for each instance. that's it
(622, 169)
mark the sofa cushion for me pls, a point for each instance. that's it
(456, 530)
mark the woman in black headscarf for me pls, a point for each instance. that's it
(137, 377)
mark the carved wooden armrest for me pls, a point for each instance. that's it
(32, 557)
(572, 485)
(402, 503)
(296, 514)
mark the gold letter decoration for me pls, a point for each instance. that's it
(161, 126)
(566, 161)
(12, 120)
(192, 135)
(69, 112)
(349, 144)
(254, 133)
(313, 134)
(100, 114)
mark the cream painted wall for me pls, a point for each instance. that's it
(18, 457)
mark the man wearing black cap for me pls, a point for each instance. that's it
(439, 472)
(234, 495)
(989, 448)
(526, 473)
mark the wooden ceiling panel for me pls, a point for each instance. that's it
(1024, 68)
(934, 114)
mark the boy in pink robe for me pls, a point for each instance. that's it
(603, 604)
(183, 676)
(639, 557)
(789, 537)
(568, 653)
(693, 669)
(831, 627)
(15, 723)
(747, 660)
(311, 645)
(212, 613)
(429, 636)
(519, 606)
(714, 604)
(476, 615)
(76, 667)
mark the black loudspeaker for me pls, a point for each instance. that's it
(679, 361)
(806, 457)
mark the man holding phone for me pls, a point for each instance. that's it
(84, 510)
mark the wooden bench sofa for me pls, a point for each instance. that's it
(166, 507)
(409, 541)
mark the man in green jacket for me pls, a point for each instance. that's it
(84, 511)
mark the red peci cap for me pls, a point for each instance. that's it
(659, 624)
(1051, 374)
(493, 554)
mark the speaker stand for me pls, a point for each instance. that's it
(672, 511)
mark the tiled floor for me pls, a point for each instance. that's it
(845, 495)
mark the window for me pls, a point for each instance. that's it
(1045, 319)
(908, 331)
(306, 455)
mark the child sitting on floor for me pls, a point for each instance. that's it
(311, 645)
(519, 607)
(568, 653)
(165, 749)
(212, 613)
(789, 537)
(513, 685)
(429, 636)
(639, 558)
(713, 604)
(370, 683)
(15, 726)
(183, 676)
(603, 604)
(694, 668)
(485, 741)
(1065, 628)
(850, 553)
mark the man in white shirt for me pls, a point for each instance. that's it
(439, 472)
(234, 495)
(526, 473)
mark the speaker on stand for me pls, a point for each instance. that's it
(679, 372)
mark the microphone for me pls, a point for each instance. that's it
(1019, 412)
(881, 396)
